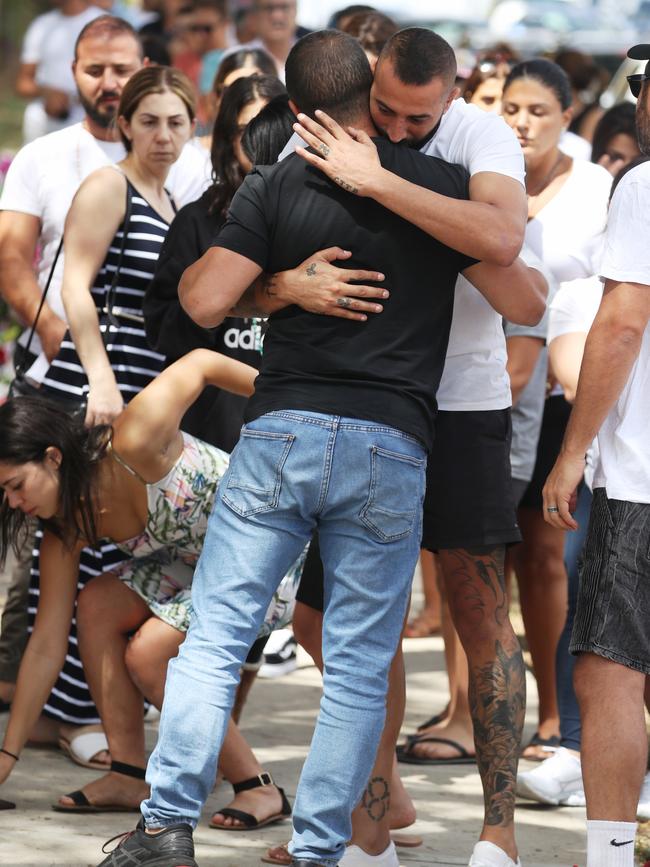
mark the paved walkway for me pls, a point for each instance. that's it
(278, 721)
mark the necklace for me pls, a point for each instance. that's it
(548, 178)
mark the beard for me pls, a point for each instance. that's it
(643, 120)
(103, 115)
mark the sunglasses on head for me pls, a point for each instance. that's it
(636, 82)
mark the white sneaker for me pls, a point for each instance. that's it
(356, 857)
(557, 780)
(280, 654)
(643, 810)
(487, 854)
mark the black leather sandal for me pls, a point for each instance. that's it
(250, 822)
(83, 805)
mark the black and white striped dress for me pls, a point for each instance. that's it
(134, 365)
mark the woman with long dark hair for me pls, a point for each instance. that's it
(149, 488)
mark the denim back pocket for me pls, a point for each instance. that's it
(391, 510)
(255, 474)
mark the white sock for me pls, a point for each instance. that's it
(610, 844)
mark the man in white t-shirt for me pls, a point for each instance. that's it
(611, 631)
(40, 185)
(469, 513)
(45, 175)
(45, 74)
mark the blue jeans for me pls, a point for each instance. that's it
(565, 662)
(362, 484)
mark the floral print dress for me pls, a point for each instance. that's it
(164, 555)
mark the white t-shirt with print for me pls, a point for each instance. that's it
(624, 438)
(44, 177)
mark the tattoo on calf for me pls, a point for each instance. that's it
(311, 269)
(376, 798)
(478, 597)
(346, 186)
(497, 694)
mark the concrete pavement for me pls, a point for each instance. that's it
(278, 721)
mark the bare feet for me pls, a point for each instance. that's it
(262, 802)
(543, 743)
(7, 691)
(426, 623)
(112, 790)
(454, 730)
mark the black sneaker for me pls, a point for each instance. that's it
(172, 847)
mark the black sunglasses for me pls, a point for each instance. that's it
(636, 82)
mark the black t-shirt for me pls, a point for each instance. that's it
(216, 416)
(386, 369)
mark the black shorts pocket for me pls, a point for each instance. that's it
(254, 478)
(391, 511)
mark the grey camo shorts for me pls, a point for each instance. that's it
(613, 612)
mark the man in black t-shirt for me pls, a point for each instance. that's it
(336, 438)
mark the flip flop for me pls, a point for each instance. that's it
(406, 841)
(549, 745)
(435, 720)
(406, 755)
(84, 745)
(280, 854)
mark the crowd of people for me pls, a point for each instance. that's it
(301, 309)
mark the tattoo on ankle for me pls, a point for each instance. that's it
(497, 694)
(376, 798)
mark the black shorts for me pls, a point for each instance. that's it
(613, 611)
(311, 587)
(554, 421)
(469, 501)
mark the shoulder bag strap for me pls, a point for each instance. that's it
(41, 304)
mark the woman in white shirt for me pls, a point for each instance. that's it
(567, 208)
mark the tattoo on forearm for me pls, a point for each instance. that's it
(376, 798)
(269, 285)
(346, 186)
(497, 694)
(311, 269)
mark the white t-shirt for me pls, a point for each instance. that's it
(574, 307)
(44, 177)
(568, 233)
(575, 146)
(49, 43)
(572, 310)
(474, 376)
(624, 439)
